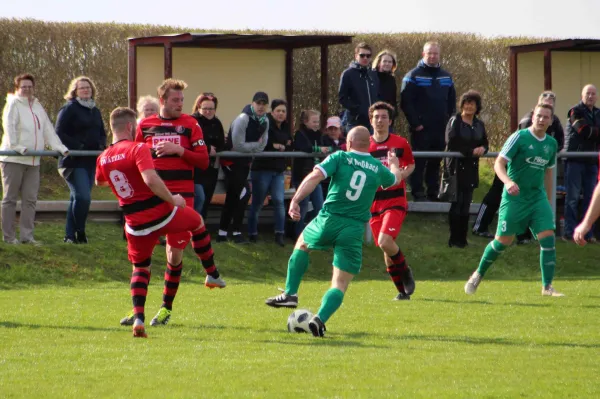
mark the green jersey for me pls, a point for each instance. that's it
(355, 177)
(528, 158)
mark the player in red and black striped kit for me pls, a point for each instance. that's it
(390, 206)
(177, 147)
(149, 207)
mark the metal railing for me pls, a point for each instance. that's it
(416, 154)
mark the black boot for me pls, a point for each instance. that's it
(464, 230)
(279, 239)
(455, 232)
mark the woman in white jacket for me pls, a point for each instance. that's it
(26, 128)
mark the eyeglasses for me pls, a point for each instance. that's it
(365, 55)
(207, 109)
(549, 95)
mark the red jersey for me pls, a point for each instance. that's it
(395, 196)
(177, 172)
(121, 165)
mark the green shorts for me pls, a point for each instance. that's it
(514, 217)
(344, 235)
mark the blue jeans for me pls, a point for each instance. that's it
(80, 182)
(199, 198)
(316, 198)
(264, 181)
(578, 176)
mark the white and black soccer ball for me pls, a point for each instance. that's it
(298, 321)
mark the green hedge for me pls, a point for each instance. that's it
(56, 52)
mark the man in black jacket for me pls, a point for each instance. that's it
(428, 99)
(583, 135)
(359, 88)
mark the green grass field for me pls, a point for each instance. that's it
(60, 336)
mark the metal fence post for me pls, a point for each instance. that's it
(554, 182)
(368, 233)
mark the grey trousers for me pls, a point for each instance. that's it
(19, 179)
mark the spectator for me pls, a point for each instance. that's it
(333, 134)
(465, 133)
(583, 127)
(205, 181)
(359, 88)
(26, 128)
(248, 133)
(334, 140)
(146, 106)
(308, 139)
(491, 202)
(428, 99)
(385, 65)
(555, 129)
(267, 173)
(80, 127)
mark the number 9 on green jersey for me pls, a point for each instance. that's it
(355, 177)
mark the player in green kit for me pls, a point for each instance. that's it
(355, 177)
(530, 154)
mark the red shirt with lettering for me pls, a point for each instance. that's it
(395, 196)
(177, 172)
(121, 165)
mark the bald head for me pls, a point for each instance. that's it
(358, 139)
(589, 94)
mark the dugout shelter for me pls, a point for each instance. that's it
(563, 66)
(233, 66)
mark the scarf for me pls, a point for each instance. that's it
(260, 119)
(87, 103)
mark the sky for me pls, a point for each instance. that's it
(491, 18)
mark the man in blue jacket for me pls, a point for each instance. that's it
(428, 99)
(359, 89)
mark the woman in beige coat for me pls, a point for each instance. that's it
(26, 128)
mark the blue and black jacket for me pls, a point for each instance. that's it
(359, 88)
(428, 97)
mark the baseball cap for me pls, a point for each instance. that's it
(333, 121)
(260, 96)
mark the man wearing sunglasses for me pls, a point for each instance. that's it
(359, 89)
(428, 99)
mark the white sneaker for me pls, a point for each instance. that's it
(473, 283)
(550, 291)
(14, 241)
(212, 282)
(139, 330)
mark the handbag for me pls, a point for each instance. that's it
(448, 186)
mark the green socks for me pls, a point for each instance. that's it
(490, 254)
(331, 302)
(296, 268)
(547, 259)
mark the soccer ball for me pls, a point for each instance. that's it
(298, 321)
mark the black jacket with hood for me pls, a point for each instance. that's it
(305, 140)
(359, 89)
